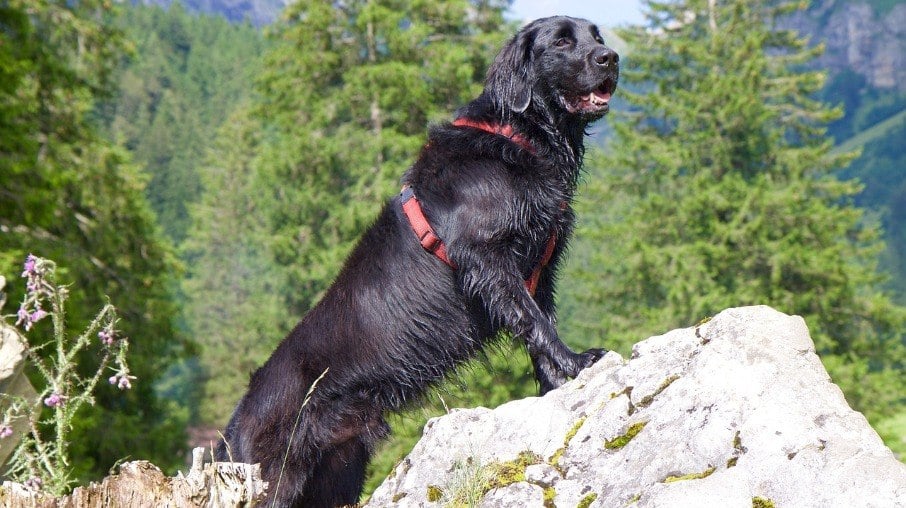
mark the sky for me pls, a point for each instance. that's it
(608, 13)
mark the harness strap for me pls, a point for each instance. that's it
(432, 243)
(506, 131)
(532, 283)
(422, 228)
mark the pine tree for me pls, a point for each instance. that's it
(183, 78)
(721, 193)
(231, 307)
(68, 195)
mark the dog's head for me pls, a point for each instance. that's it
(558, 63)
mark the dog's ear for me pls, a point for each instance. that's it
(511, 77)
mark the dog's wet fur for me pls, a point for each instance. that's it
(397, 319)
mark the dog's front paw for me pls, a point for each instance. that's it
(590, 356)
(550, 377)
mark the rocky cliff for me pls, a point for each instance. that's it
(737, 411)
(860, 36)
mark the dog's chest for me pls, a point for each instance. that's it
(549, 225)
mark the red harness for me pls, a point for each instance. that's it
(429, 239)
(506, 131)
(422, 228)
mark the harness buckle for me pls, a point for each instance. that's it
(406, 194)
(430, 241)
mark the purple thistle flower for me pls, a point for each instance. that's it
(121, 381)
(30, 319)
(22, 315)
(106, 337)
(31, 263)
(6, 431)
(55, 400)
(37, 315)
(34, 483)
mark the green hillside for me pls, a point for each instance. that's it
(878, 133)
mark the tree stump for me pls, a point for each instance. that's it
(141, 484)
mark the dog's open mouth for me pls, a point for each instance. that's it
(596, 101)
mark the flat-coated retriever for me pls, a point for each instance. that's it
(469, 248)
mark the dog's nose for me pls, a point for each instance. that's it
(607, 58)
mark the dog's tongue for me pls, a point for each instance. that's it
(597, 97)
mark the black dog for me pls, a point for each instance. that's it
(468, 249)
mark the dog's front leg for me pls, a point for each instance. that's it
(549, 376)
(495, 282)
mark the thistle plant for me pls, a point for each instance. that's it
(41, 460)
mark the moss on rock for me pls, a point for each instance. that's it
(621, 441)
(434, 493)
(648, 399)
(691, 476)
(587, 500)
(761, 502)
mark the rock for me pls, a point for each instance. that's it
(737, 411)
(13, 384)
(516, 495)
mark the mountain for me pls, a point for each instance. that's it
(256, 12)
(865, 37)
(865, 56)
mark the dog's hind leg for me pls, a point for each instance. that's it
(338, 476)
(337, 479)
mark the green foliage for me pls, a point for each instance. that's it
(720, 192)
(880, 168)
(183, 76)
(73, 197)
(893, 431)
(231, 306)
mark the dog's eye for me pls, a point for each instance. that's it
(599, 40)
(562, 42)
